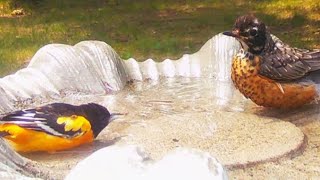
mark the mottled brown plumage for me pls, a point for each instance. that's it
(269, 72)
(264, 91)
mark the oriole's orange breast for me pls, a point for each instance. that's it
(25, 140)
(267, 92)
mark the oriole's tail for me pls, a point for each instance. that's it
(4, 133)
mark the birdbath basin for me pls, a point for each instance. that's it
(187, 103)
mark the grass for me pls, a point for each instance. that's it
(144, 29)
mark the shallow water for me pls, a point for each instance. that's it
(143, 101)
(156, 100)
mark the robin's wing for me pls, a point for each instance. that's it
(63, 124)
(285, 63)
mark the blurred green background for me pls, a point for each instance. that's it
(143, 29)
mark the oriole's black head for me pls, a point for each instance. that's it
(98, 116)
(251, 32)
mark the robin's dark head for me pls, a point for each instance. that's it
(98, 116)
(251, 32)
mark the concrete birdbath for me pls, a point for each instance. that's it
(189, 104)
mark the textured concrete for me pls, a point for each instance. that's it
(236, 139)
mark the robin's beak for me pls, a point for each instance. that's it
(233, 33)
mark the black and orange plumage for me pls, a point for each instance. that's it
(54, 127)
(270, 72)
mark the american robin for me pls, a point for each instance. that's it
(54, 127)
(270, 72)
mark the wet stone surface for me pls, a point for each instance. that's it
(250, 141)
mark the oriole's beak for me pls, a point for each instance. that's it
(114, 116)
(233, 33)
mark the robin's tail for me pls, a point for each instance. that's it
(312, 57)
(314, 76)
(315, 53)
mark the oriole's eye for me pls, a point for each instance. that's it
(253, 32)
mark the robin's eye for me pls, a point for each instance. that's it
(253, 32)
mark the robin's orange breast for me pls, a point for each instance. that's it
(25, 140)
(267, 92)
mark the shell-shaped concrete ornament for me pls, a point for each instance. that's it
(94, 67)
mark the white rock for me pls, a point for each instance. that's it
(130, 162)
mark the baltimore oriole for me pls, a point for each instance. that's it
(54, 127)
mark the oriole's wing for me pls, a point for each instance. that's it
(63, 123)
(285, 63)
